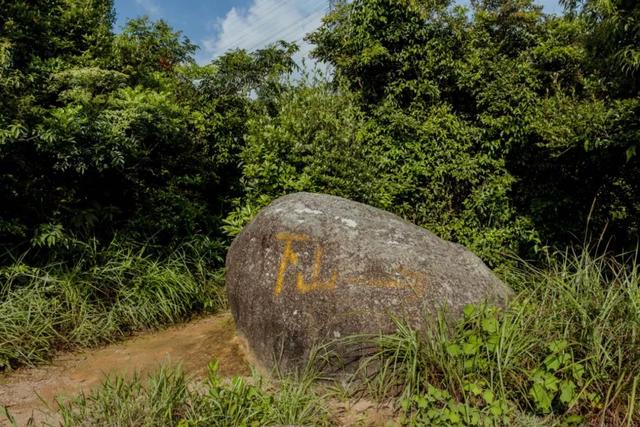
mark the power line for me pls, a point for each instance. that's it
(288, 32)
(293, 30)
(265, 23)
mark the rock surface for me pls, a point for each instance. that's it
(312, 267)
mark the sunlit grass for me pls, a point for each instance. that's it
(564, 351)
(169, 398)
(98, 299)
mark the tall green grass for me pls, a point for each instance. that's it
(104, 295)
(566, 351)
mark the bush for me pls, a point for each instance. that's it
(319, 140)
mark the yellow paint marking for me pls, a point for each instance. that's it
(403, 278)
(294, 237)
(290, 258)
(315, 283)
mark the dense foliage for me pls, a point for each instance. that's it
(504, 129)
(104, 295)
(560, 354)
(103, 133)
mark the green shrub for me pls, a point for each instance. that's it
(161, 400)
(506, 128)
(423, 165)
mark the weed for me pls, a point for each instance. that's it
(163, 400)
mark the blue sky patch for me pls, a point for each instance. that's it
(219, 25)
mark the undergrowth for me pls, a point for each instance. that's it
(102, 296)
(565, 352)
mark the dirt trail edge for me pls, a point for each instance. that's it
(192, 345)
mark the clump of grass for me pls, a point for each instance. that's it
(103, 296)
(564, 351)
(239, 401)
(161, 400)
(167, 399)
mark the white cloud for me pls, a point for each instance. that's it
(265, 22)
(149, 7)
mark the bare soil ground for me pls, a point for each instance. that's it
(26, 392)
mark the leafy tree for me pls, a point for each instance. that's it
(144, 49)
(37, 39)
(499, 127)
(613, 40)
(415, 67)
(105, 134)
(519, 99)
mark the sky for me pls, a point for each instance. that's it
(219, 25)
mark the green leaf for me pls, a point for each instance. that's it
(578, 370)
(552, 362)
(574, 419)
(490, 325)
(405, 404)
(496, 410)
(541, 397)
(422, 402)
(469, 310)
(469, 349)
(488, 396)
(474, 388)
(454, 350)
(558, 346)
(631, 152)
(454, 417)
(567, 391)
(492, 342)
(551, 382)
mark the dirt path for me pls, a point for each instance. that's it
(193, 345)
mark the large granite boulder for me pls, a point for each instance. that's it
(311, 267)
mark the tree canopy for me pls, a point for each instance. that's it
(498, 126)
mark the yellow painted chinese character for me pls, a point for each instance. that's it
(290, 257)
